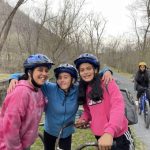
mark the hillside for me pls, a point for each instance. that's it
(21, 40)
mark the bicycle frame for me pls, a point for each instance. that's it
(60, 132)
(142, 100)
(145, 109)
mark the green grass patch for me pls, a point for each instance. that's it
(82, 136)
(4, 76)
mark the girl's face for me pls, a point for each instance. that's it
(40, 75)
(64, 81)
(87, 72)
(142, 68)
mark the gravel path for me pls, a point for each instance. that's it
(141, 131)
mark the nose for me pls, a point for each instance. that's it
(85, 71)
(44, 73)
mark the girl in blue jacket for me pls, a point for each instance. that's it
(62, 106)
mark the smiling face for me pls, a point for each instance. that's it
(64, 81)
(87, 72)
(40, 75)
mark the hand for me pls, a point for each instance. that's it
(12, 85)
(105, 142)
(107, 77)
(82, 124)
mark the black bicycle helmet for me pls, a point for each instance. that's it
(66, 68)
(87, 58)
(37, 60)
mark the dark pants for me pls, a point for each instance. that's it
(124, 142)
(49, 142)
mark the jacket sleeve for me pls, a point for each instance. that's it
(12, 123)
(15, 76)
(86, 113)
(117, 110)
(101, 73)
(137, 86)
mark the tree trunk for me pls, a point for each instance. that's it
(7, 24)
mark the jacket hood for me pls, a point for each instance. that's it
(25, 83)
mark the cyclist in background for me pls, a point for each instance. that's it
(142, 81)
(22, 108)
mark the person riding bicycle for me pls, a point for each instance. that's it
(22, 108)
(142, 81)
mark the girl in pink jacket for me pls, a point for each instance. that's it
(103, 106)
(22, 109)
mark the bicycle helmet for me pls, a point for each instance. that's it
(66, 68)
(37, 60)
(142, 64)
(87, 58)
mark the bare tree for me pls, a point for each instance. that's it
(43, 20)
(64, 25)
(142, 30)
(7, 24)
(94, 29)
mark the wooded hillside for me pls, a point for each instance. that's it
(65, 34)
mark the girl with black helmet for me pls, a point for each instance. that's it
(22, 109)
(62, 106)
(103, 106)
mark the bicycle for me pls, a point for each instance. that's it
(80, 147)
(145, 109)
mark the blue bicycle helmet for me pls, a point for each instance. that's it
(87, 58)
(66, 68)
(37, 60)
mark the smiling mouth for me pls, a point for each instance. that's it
(42, 78)
(87, 76)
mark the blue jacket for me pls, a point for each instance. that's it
(60, 110)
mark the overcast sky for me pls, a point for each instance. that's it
(117, 14)
(115, 11)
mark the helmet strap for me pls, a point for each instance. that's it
(36, 86)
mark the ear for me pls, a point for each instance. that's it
(73, 81)
(96, 71)
(29, 73)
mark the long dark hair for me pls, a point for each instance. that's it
(24, 77)
(95, 94)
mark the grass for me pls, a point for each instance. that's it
(4, 76)
(82, 136)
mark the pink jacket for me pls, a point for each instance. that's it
(19, 117)
(107, 116)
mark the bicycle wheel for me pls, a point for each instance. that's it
(147, 114)
(39, 143)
